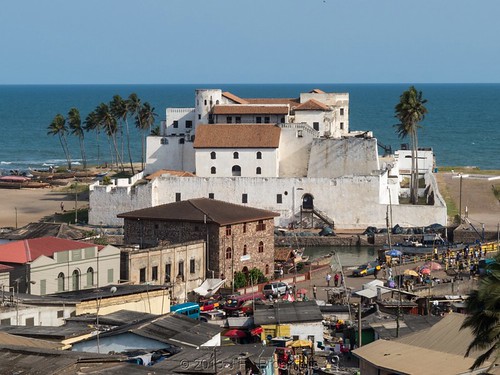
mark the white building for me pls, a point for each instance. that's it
(292, 156)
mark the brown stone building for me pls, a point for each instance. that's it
(239, 238)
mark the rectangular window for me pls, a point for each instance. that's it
(282, 120)
(228, 230)
(5, 322)
(261, 225)
(168, 272)
(199, 117)
(181, 269)
(177, 197)
(279, 198)
(341, 126)
(210, 119)
(342, 111)
(29, 322)
(244, 198)
(229, 119)
(316, 126)
(211, 195)
(60, 314)
(238, 120)
(142, 275)
(258, 119)
(189, 124)
(43, 287)
(176, 124)
(154, 273)
(244, 227)
(192, 266)
(111, 275)
(267, 120)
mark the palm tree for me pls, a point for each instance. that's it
(144, 121)
(120, 110)
(58, 127)
(92, 124)
(108, 122)
(134, 107)
(75, 125)
(410, 111)
(483, 308)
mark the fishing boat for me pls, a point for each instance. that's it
(18, 182)
(424, 245)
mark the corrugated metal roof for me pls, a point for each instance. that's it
(9, 339)
(237, 136)
(37, 230)
(199, 210)
(295, 312)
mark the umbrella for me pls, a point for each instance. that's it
(302, 291)
(257, 331)
(394, 253)
(235, 333)
(410, 272)
(301, 344)
(433, 266)
(425, 271)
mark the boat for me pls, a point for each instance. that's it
(424, 245)
(18, 182)
(322, 260)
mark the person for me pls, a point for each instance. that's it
(336, 279)
(281, 272)
(315, 290)
(328, 278)
(62, 206)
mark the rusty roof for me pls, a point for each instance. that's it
(199, 210)
(237, 136)
(234, 109)
(312, 105)
(316, 91)
(172, 173)
(234, 98)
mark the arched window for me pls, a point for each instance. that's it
(75, 280)
(259, 155)
(245, 250)
(213, 155)
(236, 170)
(308, 202)
(258, 170)
(90, 276)
(213, 170)
(181, 141)
(216, 102)
(261, 247)
(60, 282)
(236, 155)
(228, 253)
(267, 269)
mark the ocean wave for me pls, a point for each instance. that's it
(6, 162)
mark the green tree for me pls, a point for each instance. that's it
(255, 276)
(483, 309)
(92, 124)
(144, 121)
(410, 111)
(134, 105)
(58, 127)
(108, 122)
(240, 280)
(120, 110)
(76, 128)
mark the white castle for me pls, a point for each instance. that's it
(295, 156)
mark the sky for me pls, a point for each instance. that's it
(253, 41)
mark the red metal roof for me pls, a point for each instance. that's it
(28, 250)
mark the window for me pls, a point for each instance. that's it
(229, 119)
(228, 230)
(279, 198)
(181, 141)
(282, 120)
(210, 119)
(192, 266)
(142, 275)
(244, 227)
(261, 225)
(267, 120)
(177, 197)
(111, 276)
(29, 322)
(236, 155)
(341, 126)
(181, 269)
(228, 253)
(75, 279)
(261, 247)
(168, 272)
(189, 124)
(258, 170)
(259, 155)
(90, 276)
(258, 119)
(211, 195)
(316, 126)
(5, 322)
(176, 124)
(213, 155)
(199, 117)
(245, 250)
(342, 111)
(238, 120)
(164, 141)
(267, 269)
(60, 314)
(244, 198)
(43, 287)
(205, 101)
(154, 273)
(60, 282)
(213, 170)
(299, 133)
(236, 170)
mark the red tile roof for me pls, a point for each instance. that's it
(28, 250)
(237, 136)
(312, 105)
(284, 101)
(250, 109)
(316, 91)
(234, 98)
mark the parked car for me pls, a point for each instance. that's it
(366, 269)
(275, 289)
(209, 305)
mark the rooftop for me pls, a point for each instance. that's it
(243, 109)
(295, 312)
(237, 136)
(312, 105)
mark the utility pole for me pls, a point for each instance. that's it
(359, 326)
(76, 201)
(460, 200)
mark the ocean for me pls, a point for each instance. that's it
(462, 126)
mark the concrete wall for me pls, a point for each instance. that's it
(294, 149)
(41, 315)
(304, 330)
(425, 160)
(170, 153)
(247, 160)
(181, 115)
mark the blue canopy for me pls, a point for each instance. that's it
(394, 253)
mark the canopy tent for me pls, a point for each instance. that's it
(394, 253)
(209, 287)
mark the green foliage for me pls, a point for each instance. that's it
(255, 276)
(106, 180)
(496, 191)
(101, 241)
(240, 280)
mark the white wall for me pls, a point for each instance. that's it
(42, 315)
(425, 160)
(168, 153)
(294, 149)
(181, 115)
(303, 330)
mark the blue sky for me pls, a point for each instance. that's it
(253, 41)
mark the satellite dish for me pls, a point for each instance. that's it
(113, 290)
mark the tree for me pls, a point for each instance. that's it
(255, 276)
(134, 108)
(410, 111)
(144, 121)
(75, 125)
(108, 122)
(483, 308)
(92, 124)
(120, 110)
(240, 280)
(58, 127)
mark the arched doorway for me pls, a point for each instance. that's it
(245, 272)
(75, 278)
(307, 202)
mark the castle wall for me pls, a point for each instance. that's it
(294, 149)
(169, 153)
